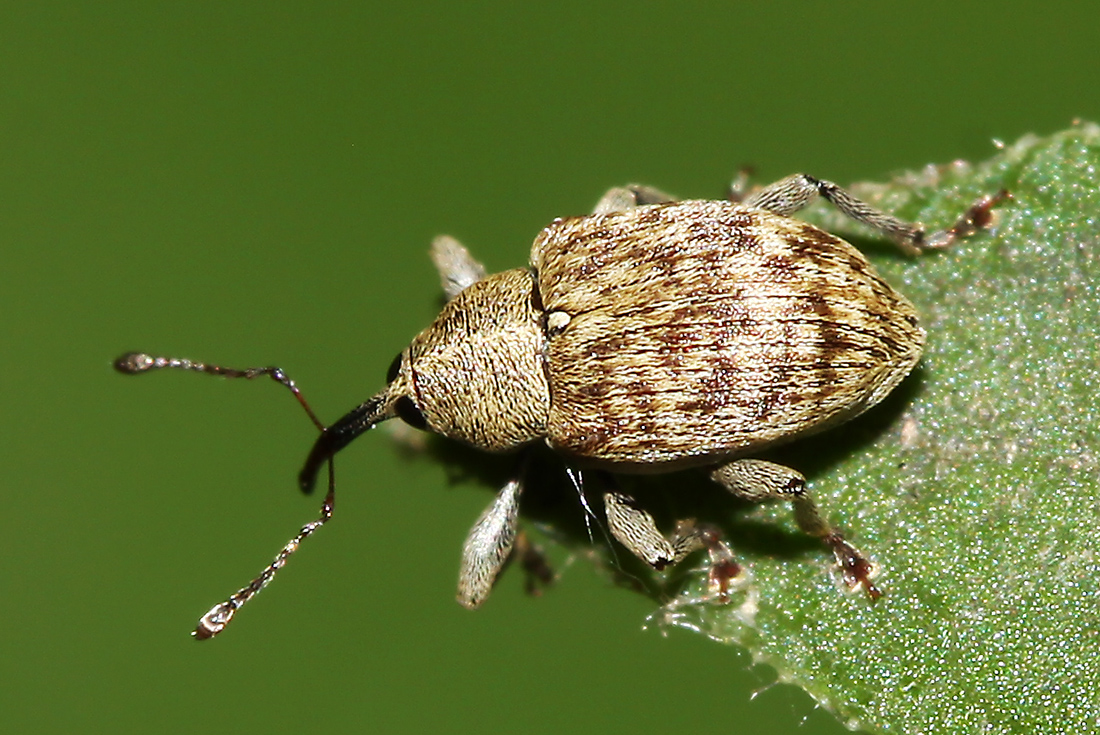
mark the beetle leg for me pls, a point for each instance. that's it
(457, 268)
(536, 567)
(626, 197)
(738, 189)
(635, 529)
(791, 194)
(759, 481)
(488, 546)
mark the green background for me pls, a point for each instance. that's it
(258, 184)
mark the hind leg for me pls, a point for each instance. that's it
(791, 194)
(759, 481)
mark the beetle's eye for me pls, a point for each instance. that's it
(409, 413)
(395, 368)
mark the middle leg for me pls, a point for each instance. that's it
(635, 529)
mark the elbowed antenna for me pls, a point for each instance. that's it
(136, 363)
(360, 419)
(219, 616)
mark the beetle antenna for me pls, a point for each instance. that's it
(136, 363)
(219, 616)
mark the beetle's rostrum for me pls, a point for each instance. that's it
(651, 336)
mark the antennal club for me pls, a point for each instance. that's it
(219, 616)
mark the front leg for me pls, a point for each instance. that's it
(457, 268)
(759, 481)
(493, 541)
(626, 197)
(488, 546)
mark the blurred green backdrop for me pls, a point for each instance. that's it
(257, 183)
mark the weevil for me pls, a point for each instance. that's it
(651, 336)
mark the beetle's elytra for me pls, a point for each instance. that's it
(653, 335)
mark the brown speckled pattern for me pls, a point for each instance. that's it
(701, 330)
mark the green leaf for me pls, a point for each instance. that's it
(974, 488)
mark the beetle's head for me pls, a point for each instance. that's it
(476, 375)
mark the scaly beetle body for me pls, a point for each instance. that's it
(653, 335)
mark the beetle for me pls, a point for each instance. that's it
(650, 336)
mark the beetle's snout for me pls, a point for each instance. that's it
(340, 434)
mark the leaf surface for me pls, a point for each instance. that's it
(974, 487)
